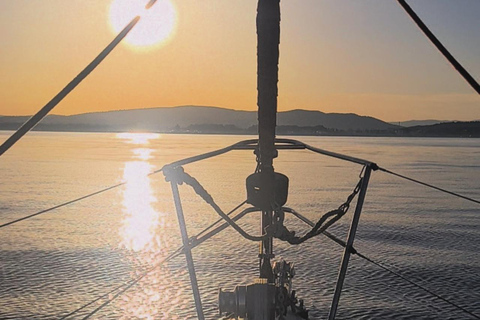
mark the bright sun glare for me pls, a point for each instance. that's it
(156, 24)
(140, 217)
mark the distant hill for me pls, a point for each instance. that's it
(412, 123)
(166, 119)
(469, 129)
(198, 119)
(337, 121)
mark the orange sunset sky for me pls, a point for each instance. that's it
(365, 57)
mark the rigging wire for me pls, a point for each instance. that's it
(73, 201)
(171, 256)
(35, 119)
(382, 266)
(174, 254)
(324, 222)
(177, 252)
(463, 72)
(62, 205)
(429, 185)
(354, 251)
(416, 285)
(127, 285)
(219, 220)
(177, 175)
(132, 283)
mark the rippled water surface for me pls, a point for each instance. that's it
(55, 263)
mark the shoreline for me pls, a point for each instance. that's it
(326, 134)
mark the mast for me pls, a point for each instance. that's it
(268, 40)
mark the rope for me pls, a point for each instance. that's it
(73, 201)
(417, 285)
(464, 73)
(179, 176)
(429, 185)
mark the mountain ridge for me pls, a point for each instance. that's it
(167, 118)
(216, 120)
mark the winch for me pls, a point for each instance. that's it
(264, 300)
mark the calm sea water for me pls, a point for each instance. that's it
(54, 263)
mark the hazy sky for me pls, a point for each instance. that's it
(360, 56)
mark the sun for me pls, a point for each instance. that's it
(156, 25)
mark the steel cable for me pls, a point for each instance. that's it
(73, 201)
(127, 285)
(177, 175)
(463, 72)
(43, 112)
(355, 252)
(62, 205)
(220, 220)
(429, 185)
(416, 285)
(35, 119)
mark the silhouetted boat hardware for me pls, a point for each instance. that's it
(270, 296)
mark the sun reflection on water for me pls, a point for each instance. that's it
(143, 235)
(141, 219)
(138, 138)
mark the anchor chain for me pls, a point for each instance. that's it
(281, 232)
